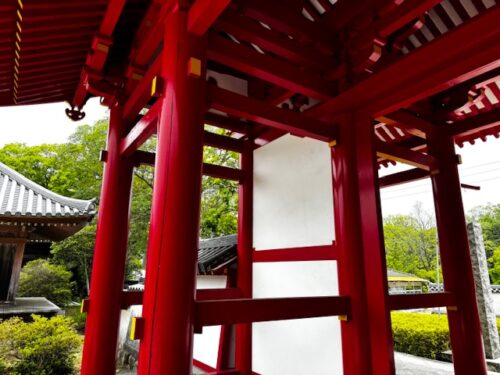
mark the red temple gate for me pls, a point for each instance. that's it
(337, 73)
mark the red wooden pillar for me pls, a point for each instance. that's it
(168, 308)
(465, 327)
(245, 248)
(108, 268)
(366, 335)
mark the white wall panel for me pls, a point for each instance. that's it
(297, 347)
(293, 199)
(206, 345)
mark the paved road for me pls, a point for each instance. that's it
(410, 365)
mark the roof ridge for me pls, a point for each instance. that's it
(79, 204)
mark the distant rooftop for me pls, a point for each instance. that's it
(20, 196)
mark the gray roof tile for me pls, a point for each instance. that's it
(20, 196)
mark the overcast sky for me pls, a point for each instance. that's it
(481, 163)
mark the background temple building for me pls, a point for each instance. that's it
(31, 218)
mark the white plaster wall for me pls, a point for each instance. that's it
(297, 347)
(293, 198)
(293, 207)
(206, 345)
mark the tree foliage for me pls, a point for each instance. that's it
(489, 218)
(410, 243)
(40, 278)
(74, 169)
(44, 346)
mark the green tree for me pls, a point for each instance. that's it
(410, 243)
(74, 169)
(43, 346)
(219, 199)
(38, 163)
(40, 278)
(494, 266)
(75, 253)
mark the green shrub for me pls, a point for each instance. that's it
(79, 318)
(423, 335)
(43, 346)
(40, 278)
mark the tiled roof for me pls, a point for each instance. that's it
(216, 253)
(20, 196)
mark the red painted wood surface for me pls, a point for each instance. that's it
(465, 327)
(173, 240)
(243, 345)
(101, 331)
(296, 254)
(361, 258)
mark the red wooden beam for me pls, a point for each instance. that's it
(268, 68)
(210, 313)
(401, 154)
(265, 114)
(462, 53)
(203, 14)
(231, 124)
(402, 15)
(286, 18)
(130, 298)
(403, 177)
(308, 253)
(211, 170)
(142, 131)
(244, 28)
(223, 142)
(412, 124)
(100, 48)
(475, 124)
(422, 301)
(141, 95)
(218, 171)
(150, 33)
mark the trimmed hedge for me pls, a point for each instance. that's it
(423, 335)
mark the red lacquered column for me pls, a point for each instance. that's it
(245, 248)
(108, 268)
(167, 343)
(366, 336)
(465, 327)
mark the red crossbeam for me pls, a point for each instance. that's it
(285, 17)
(210, 313)
(294, 254)
(402, 15)
(223, 142)
(472, 49)
(412, 124)
(421, 301)
(403, 177)
(225, 173)
(391, 151)
(244, 28)
(100, 48)
(142, 131)
(142, 93)
(130, 298)
(265, 114)
(211, 170)
(267, 68)
(475, 124)
(231, 124)
(203, 14)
